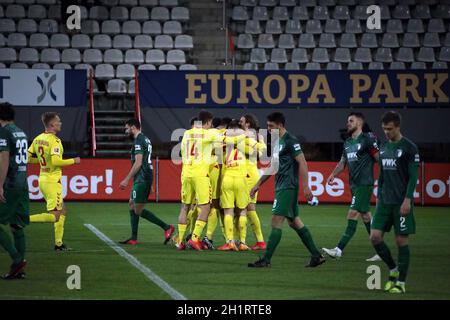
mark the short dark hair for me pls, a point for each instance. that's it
(193, 119)
(133, 122)
(392, 116)
(216, 122)
(6, 111)
(205, 116)
(47, 117)
(252, 120)
(276, 117)
(234, 124)
(358, 115)
(225, 121)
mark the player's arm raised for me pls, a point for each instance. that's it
(337, 170)
(134, 169)
(303, 171)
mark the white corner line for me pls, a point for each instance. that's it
(137, 264)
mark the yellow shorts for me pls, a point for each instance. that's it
(234, 192)
(195, 188)
(52, 192)
(214, 177)
(251, 182)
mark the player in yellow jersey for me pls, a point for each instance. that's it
(47, 150)
(250, 124)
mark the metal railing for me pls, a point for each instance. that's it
(92, 111)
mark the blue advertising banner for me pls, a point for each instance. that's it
(331, 88)
(36, 87)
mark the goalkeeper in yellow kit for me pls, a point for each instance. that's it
(47, 150)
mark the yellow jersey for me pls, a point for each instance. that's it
(47, 150)
(252, 159)
(235, 159)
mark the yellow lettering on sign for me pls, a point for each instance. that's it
(246, 89)
(435, 87)
(409, 83)
(321, 88)
(281, 92)
(383, 88)
(214, 78)
(194, 88)
(361, 83)
(296, 88)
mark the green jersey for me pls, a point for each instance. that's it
(287, 175)
(399, 162)
(14, 140)
(358, 153)
(142, 145)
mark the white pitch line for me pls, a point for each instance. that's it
(137, 264)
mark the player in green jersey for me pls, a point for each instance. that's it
(399, 163)
(14, 200)
(291, 162)
(359, 154)
(142, 175)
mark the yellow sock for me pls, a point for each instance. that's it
(229, 227)
(199, 226)
(189, 219)
(222, 226)
(181, 232)
(59, 230)
(42, 217)
(242, 228)
(256, 225)
(194, 217)
(236, 228)
(212, 223)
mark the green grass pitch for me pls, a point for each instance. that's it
(222, 275)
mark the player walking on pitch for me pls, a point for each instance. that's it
(291, 162)
(359, 153)
(47, 150)
(142, 175)
(399, 163)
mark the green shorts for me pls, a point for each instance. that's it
(361, 198)
(286, 203)
(16, 210)
(141, 191)
(388, 215)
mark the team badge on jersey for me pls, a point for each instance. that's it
(399, 153)
(296, 147)
(56, 150)
(358, 146)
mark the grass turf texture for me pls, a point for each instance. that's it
(222, 275)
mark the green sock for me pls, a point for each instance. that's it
(348, 234)
(308, 241)
(403, 262)
(6, 243)
(274, 240)
(367, 225)
(385, 254)
(134, 221)
(154, 219)
(19, 241)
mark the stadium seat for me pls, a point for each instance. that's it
(360, 13)
(151, 28)
(248, 3)
(119, 14)
(278, 55)
(71, 56)
(334, 66)
(271, 66)
(397, 65)
(180, 14)
(245, 41)
(59, 41)
(104, 71)
(260, 14)
(134, 56)
(421, 12)
(2, 40)
(309, 3)
(376, 66)
(273, 27)
(369, 40)
(394, 26)
(113, 56)
(2, 14)
(101, 41)
(92, 56)
(355, 66)
(40, 66)
(280, 13)
(92, 27)
(131, 27)
(258, 55)
(62, 66)
(47, 2)
(288, 3)
(84, 66)
(37, 11)
(167, 67)
(390, 40)
(320, 55)
(363, 55)
(48, 26)
(110, 27)
(15, 11)
(291, 66)
(50, 56)
(266, 41)
(184, 42)
(164, 42)
(442, 11)
(405, 55)
(439, 65)
(431, 40)
(286, 41)
(27, 55)
(418, 65)
(327, 3)
(299, 55)
(188, 67)
(306, 40)
(7, 26)
(348, 40)
(383, 55)
(333, 26)
(27, 26)
(415, 26)
(411, 40)
(447, 40)
(250, 66)
(172, 28)
(18, 65)
(17, 40)
(342, 55)
(27, 2)
(155, 56)
(125, 71)
(426, 55)
(436, 25)
(293, 27)
(146, 67)
(312, 66)
(128, 3)
(160, 14)
(401, 12)
(327, 40)
(39, 40)
(98, 13)
(320, 13)
(252, 27)
(54, 12)
(176, 57)
(139, 14)
(353, 26)
(132, 87)
(168, 3)
(81, 41)
(122, 41)
(84, 14)
(116, 87)
(313, 27)
(268, 3)
(142, 42)
(341, 13)
(300, 13)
